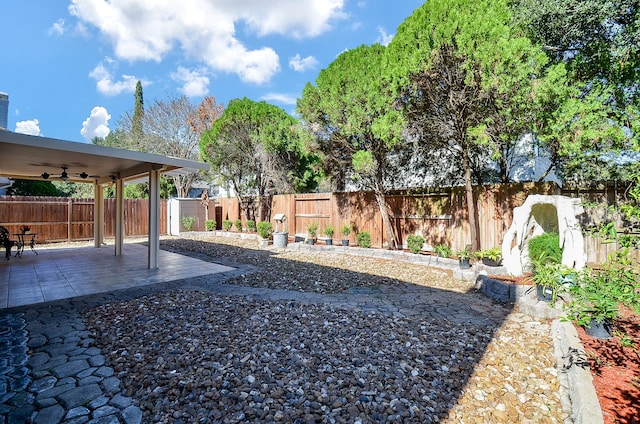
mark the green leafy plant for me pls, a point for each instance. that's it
(550, 277)
(312, 229)
(187, 222)
(345, 229)
(238, 224)
(415, 242)
(328, 231)
(364, 239)
(545, 248)
(443, 250)
(495, 254)
(265, 229)
(599, 293)
(210, 224)
(251, 225)
(227, 224)
(463, 253)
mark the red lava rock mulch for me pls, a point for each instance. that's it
(615, 367)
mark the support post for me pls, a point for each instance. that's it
(98, 215)
(154, 218)
(119, 230)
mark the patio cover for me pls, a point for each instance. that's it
(28, 157)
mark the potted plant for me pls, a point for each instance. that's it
(364, 239)
(443, 250)
(328, 232)
(345, 230)
(415, 242)
(548, 278)
(265, 232)
(490, 257)
(227, 224)
(598, 294)
(210, 224)
(238, 224)
(312, 230)
(464, 258)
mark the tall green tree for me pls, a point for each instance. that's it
(599, 42)
(259, 149)
(138, 113)
(356, 126)
(466, 78)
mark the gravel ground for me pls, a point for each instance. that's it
(195, 356)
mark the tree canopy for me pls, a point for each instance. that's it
(259, 149)
(356, 127)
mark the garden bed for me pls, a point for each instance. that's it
(615, 367)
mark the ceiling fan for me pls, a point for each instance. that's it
(64, 176)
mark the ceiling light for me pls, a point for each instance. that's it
(45, 175)
(64, 176)
(84, 175)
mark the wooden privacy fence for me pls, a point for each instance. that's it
(67, 219)
(439, 215)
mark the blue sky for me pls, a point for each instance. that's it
(70, 67)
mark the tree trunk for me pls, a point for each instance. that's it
(471, 206)
(386, 219)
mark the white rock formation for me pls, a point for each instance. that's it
(544, 214)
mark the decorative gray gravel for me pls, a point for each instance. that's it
(292, 336)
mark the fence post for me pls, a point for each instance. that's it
(69, 217)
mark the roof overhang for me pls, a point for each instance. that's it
(28, 157)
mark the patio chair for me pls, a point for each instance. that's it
(6, 242)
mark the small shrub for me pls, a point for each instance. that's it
(328, 231)
(415, 243)
(265, 229)
(545, 248)
(187, 222)
(238, 224)
(312, 229)
(364, 239)
(227, 224)
(345, 230)
(251, 225)
(210, 224)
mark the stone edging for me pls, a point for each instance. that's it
(574, 368)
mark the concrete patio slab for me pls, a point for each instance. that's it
(61, 273)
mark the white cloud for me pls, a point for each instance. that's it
(194, 83)
(57, 28)
(384, 38)
(31, 127)
(96, 125)
(205, 30)
(107, 86)
(299, 64)
(280, 98)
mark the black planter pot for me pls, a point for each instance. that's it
(345, 242)
(598, 330)
(544, 293)
(491, 262)
(329, 242)
(465, 263)
(310, 241)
